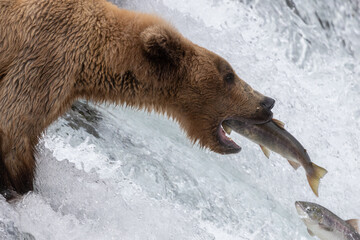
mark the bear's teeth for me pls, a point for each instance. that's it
(226, 129)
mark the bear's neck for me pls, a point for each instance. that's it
(120, 73)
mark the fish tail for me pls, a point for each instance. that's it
(314, 178)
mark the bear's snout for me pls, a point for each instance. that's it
(267, 103)
(263, 112)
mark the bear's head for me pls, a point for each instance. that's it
(201, 89)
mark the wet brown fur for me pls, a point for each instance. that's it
(53, 52)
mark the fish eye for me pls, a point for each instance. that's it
(309, 210)
(229, 78)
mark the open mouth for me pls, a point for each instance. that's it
(228, 144)
(223, 132)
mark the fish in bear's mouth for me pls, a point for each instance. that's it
(224, 130)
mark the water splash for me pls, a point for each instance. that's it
(107, 172)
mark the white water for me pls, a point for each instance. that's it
(127, 174)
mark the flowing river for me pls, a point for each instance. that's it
(111, 172)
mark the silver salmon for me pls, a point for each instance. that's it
(326, 225)
(273, 136)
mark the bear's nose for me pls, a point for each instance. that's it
(267, 103)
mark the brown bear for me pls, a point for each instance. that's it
(53, 52)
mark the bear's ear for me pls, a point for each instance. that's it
(162, 42)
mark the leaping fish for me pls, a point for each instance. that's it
(273, 136)
(326, 225)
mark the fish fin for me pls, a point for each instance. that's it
(355, 223)
(265, 151)
(310, 232)
(294, 164)
(314, 179)
(279, 123)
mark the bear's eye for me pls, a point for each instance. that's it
(229, 78)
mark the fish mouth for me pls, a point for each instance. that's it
(299, 205)
(301, 209)
(227, 144)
